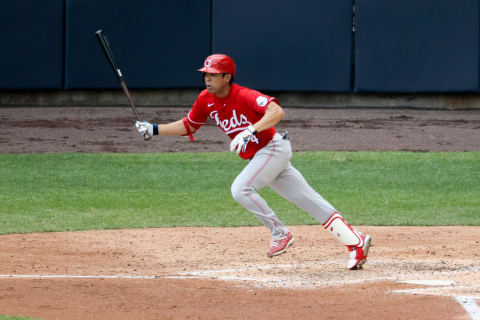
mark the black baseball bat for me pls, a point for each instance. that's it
(107, 51)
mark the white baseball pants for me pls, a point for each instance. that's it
(271, 167)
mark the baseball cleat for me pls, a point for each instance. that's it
(280, 245)
(358, 256)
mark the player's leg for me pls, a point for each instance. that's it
(260, 171)
(357, 243)
(291, 185)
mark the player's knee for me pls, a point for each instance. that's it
(236, 192)
(239, 192)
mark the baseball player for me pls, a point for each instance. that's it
(249, 117)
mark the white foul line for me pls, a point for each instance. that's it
(470, 305)
(430, 282)
(467, 302)
(66, 276)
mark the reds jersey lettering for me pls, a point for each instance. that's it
(233, 114)
(233, 123)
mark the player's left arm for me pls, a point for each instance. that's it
(273, 114)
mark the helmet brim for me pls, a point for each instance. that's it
(209, 70)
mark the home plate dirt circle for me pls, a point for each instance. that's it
(224, 273)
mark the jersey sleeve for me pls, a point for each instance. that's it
(258, 101)
(197, 117)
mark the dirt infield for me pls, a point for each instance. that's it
(111, 129)
(223, 273)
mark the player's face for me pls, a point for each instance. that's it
(217, 84)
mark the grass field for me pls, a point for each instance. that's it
(78, 191)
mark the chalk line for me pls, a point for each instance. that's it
(469, 304)
(67, 276)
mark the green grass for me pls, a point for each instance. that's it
(60, 192)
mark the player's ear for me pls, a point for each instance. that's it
(227, 76)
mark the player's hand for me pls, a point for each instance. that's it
(144, 127)
(239, 143)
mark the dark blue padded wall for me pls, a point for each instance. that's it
(417, 46)
(31, 36)
(300, 45)
(157, 44)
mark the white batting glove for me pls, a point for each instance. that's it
(239, 143)
(144, 127)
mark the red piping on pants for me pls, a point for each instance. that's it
(253, 177)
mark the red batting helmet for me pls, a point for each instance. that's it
(218, 63)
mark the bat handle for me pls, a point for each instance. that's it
(146, 136)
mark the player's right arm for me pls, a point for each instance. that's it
(183, 127)
(176, 128)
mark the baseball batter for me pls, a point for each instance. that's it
(249, 117)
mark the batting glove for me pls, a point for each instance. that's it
(145, 127)
(239, 143)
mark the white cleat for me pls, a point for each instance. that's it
(358, 256)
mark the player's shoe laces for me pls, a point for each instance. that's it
(358, 255)
(280, 245)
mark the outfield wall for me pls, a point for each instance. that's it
(339, 48)
(417, 46)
